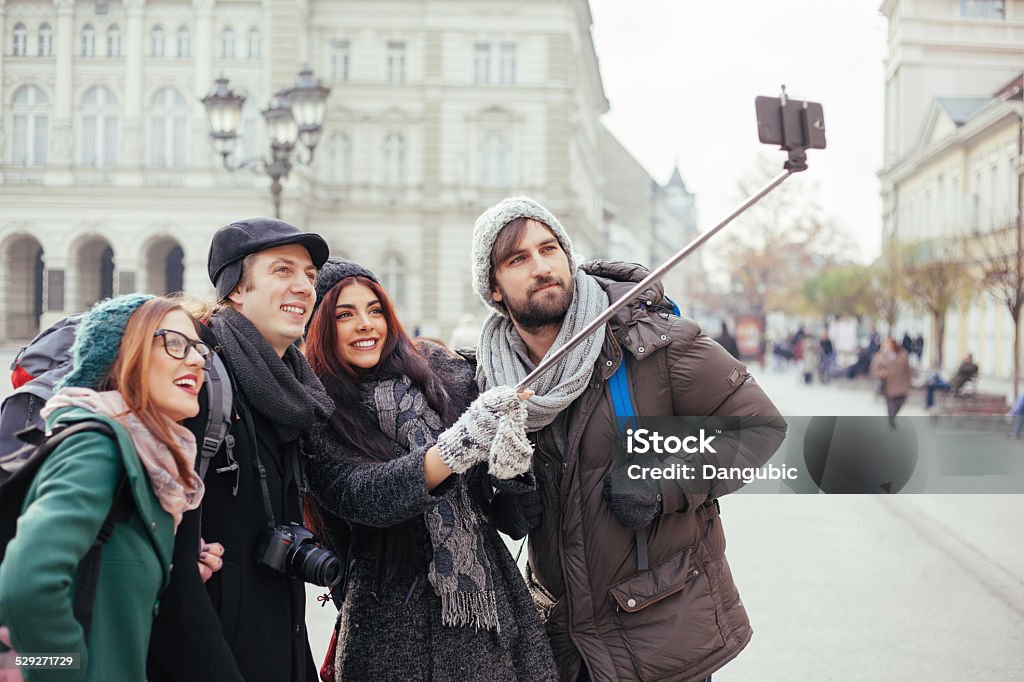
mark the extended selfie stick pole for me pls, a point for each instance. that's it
(655, 276)
(796, 127)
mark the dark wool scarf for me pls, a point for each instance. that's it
(284, 391)
(459, 570)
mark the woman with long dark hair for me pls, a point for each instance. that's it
(398, 479)
(138, 368)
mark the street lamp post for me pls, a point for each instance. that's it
(294, 115)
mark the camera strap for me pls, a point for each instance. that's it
(268, 508)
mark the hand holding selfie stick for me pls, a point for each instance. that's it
(795, 127)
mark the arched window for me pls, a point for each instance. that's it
(156, 41)
(168, 129)
(392, 278)
(255, 47)
(114, 41)
(20, 46)
(394, 159)
(99, 127)
(184, 42)
(45, 40)
(29, 123)
(494, 155)
(227, 43)
(88, 41)
(339, 158)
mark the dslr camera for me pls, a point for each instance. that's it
(292, 549)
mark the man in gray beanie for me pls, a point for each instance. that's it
(249, 621)
(630, 570)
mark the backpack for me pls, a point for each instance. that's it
(46, 359)
(21, 468)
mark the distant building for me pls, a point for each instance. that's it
(646, 222)
(953, 163)
(439, 108)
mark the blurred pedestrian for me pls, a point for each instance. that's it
(728, 342)
(811, 352)
(918, 347)
(908, 343)
(828, 358)
(892, 365)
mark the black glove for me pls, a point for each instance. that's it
(517, 515)
(634, 502)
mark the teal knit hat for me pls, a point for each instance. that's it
(98, 339)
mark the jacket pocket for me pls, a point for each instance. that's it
(666, 616)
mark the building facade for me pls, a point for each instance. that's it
(953, 157)
(438, 109)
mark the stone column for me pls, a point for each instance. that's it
(132, 145)
(61, 141)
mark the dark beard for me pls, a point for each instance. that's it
(534, 316)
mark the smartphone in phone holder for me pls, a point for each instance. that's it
(794, 125)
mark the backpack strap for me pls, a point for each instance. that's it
(88, 576)
(218, 418)
(625, 417)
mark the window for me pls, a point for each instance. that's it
(29, 121)
(20, 46)
(88, 41)
(45, 41)
(943, 218)
(339, 158)
(993, 185)
(494, 156)
(227, 43)
(184, 42)
(250, 131)
(99, 127)
(156, 41)
(114, 41)
(396, 62)
(339, 60)
(982, 9)
(394, 159)
(168, 129)
(975, 217)
(508, 64)
(957, 204)
(1012, 187)
(481, 63)
(392, 277)
(254, 43)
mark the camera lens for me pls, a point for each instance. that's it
(316, 565)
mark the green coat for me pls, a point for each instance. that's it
(65, 507)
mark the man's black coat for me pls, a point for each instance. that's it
(248, 621)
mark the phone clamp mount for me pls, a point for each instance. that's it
(794, 125)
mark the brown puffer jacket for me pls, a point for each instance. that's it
(682, 618)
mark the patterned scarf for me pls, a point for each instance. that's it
(502, 359)
(283, 390)
(175, 495)
(459, 570)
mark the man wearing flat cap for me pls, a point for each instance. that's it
(249, 622)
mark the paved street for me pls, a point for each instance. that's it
(861, 587)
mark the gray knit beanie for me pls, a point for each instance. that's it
(98, 339)
(489, 225)
(334, 270)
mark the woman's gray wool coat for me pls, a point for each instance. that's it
(391, 629)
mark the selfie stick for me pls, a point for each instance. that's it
(797, 162)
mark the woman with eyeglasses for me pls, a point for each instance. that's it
(138, 368)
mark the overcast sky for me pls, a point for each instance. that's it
(681, 77)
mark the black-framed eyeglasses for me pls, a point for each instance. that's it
(177, 344)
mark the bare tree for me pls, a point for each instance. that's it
(936, 279)
(779, 241)
(999, 258)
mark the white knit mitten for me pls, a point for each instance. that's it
(469, 440)
(511, 451)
